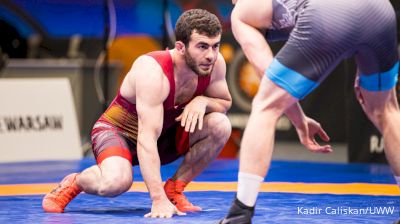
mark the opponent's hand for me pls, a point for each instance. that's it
(193, 114)
(357, 90)
(307, 131)
(163, 208)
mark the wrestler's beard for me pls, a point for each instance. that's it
(191, 63)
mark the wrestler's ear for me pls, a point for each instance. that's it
(180, 47)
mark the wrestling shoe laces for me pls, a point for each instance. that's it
(58, 198)
(174, 191)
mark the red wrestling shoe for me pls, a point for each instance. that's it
(174, 192)
(58, 199)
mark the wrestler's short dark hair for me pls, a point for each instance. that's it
(204, 22)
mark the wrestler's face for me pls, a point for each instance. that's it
(201, 53)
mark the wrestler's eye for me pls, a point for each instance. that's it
(216, 46)
(204, 46)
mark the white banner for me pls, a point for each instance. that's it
(38, 120)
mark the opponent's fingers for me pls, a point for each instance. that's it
(357, 82)
(315, 142)
(179, 118)
(308, 143)
(323, 135)
(304, 138)
(320, 149)
(358, 94)
(325, 149)
(360, 97)
(147, 215)
(194, 122)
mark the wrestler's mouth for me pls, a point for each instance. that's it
(205, 66)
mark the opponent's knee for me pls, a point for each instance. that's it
(375, 107)
(114, 186)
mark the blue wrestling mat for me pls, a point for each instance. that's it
(294, 192)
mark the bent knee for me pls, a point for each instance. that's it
(219, 126)
(114, 185)
(377, 105)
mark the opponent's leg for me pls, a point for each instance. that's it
(205, 145)
(383, 110)
(256, 148)
(377, 76)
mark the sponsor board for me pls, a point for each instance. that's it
(38, 120)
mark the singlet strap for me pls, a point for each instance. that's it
(164, 59)
(202, 85)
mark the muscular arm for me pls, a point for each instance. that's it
(216, 98)
(247, 17)
(149, 106)
(217, 95)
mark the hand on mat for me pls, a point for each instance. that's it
(193, 114)
(307, 131)
(163, 208)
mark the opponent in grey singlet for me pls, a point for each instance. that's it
(320, 33)
(284, 18)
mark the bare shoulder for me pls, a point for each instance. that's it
(146, 64)
(256, 13)
(219, 70)
(149, 77)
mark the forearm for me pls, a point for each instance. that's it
(260, 61)
(254, 46)
(216, 104)
(150, 167)
(295, 114)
